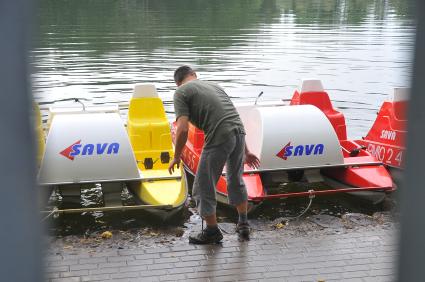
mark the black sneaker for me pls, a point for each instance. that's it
(243, 230)
(206, 237)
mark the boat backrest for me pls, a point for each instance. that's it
(401, 94)
(311, 85)
(149, 129)
(312, 93)
(400, 99)
(143, 90)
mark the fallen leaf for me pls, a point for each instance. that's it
(106, 235)
(279, 225)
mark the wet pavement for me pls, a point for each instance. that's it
(169, 235)
(355, 247)
(340, 238)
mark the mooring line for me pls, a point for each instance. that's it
(50, 214)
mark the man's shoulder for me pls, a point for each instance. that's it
(198, 88)
(195, 84)
(187, 87)
(210, 83)
(192, 87)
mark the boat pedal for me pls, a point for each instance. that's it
(356, 151)
(165, 157)
(148, 163)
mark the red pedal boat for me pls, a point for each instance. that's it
(305, 140)
(386, 138)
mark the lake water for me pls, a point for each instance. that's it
(97, 50)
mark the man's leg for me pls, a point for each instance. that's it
(209, 170)
(242, 207)
(236, 186)
(211, 220)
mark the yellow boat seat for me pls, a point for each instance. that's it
(150, 135)
(149, 129)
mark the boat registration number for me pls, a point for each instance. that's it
(388, 155)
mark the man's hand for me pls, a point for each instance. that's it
(181, 138)
(251, 160)
(172, 164)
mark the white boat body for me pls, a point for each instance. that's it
(87, 146)
(307, 129)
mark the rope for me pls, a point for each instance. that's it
(311, 197)
(222, 230)
(50, 214)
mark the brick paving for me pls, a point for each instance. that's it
(366, 254)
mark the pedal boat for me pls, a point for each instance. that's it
(303, 140)
(87, 145)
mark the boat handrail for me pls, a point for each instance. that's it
(104, 209)
(345, 164)
(141, 178)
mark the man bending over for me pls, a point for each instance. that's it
(207, 106)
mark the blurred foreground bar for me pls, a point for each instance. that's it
(20, 256)
(412, 237)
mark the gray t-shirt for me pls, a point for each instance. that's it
(208, 108)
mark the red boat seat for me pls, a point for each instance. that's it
(321, 100)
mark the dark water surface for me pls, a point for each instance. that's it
(97, 50)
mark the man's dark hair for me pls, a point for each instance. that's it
(181, 73)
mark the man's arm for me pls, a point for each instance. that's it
(181, 138)
(250, 159)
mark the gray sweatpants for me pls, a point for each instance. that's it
(210, 167)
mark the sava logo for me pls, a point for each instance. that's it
(90, 149)
(300, 150)
(388, 134)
